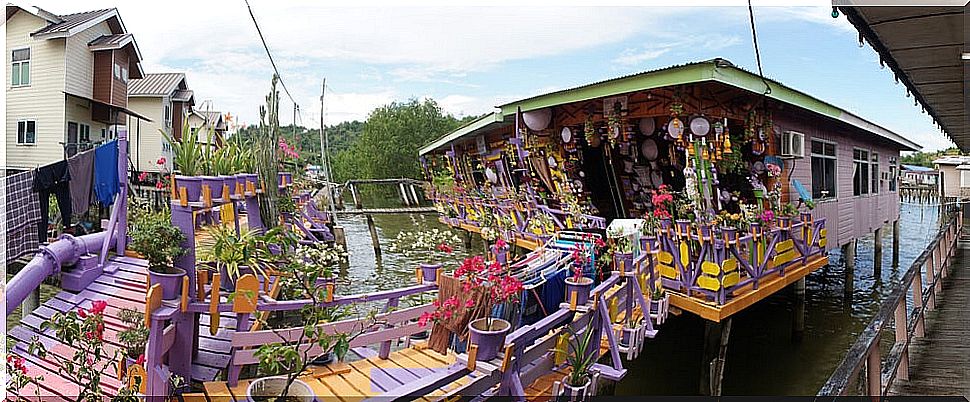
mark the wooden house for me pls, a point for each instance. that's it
(167, 98)
(737, 146)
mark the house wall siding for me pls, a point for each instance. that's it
(41, 101)
(951, 180)
(80, 60)
(79, 111)
(847, 216)
(102, 76)
(144, 135)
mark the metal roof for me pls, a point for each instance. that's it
(485, 123)
(714, 70)
(156, 84)
(917, 168)
(183, 95)
(923, 46)
(71, 21)
(952, 160)
(109, 42)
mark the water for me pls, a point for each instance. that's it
(763, 357)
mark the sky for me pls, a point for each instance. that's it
(470, 59)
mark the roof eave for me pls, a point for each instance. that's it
(81, 28)
(470, 128)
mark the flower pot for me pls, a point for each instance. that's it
(626, 335)
(783, 222)
(623, 262)
(420, 336)
(241, 181)
(706, 231)
(501, 255)
(665, 223)
(252, 178)
(756, 228)
(192, 184)
(648, 242)
(284, 178)
(263, 389)
(683, 226)
(806, 217)
(230, 182)
(323, 359)
(430, 272)
(171, 283)
(228, 282)
(489, 339)
(215, 185)
(574, 392)
(730, 233)
(581, 286)
(659, 308)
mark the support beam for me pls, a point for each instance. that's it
(798, 319)
(716, 336)
(848, 261)
(339, 236)
(468, 240)
(414, 194)
(896, 243)
(373, 236)
(848, 254)
(353, 193)
(877, 252)
(30, 303)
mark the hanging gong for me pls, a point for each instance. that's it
(647, 126)
(699, 126)
(649, 149)
(567, 134)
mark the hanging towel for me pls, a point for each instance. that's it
(23, 212)
(53, 179)
(106, 172)
(81, 167)
(449, 286)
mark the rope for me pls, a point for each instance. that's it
(268, 54)
(757, 52)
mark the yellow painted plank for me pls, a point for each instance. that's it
(217, 391)
(239, 391)
(358, 382)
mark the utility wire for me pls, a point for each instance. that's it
(268, 54)
(757, 53)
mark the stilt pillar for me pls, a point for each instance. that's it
(468, 240)
(716, 336)
(877, 252)
(373, 236)
(896, 243)
(848, 260)
(798, 319)
(848, 254)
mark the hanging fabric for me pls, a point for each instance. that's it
(23, 213)
(53, 179)
(81, 167)
(106, 172)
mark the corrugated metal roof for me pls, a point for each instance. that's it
(182, 95)
(155, 84)
(111, 41)
(73, 20)
(917, 168)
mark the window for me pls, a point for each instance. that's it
(84, 134)
(893, 172)
(965, 178)
(20, 67)
(823, 169)
(168, 115)
(875, 173)
(860, 172)
(26, 132)
(124, 74)
(104, 134)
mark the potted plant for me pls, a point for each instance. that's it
(630, 328)
(432, 246)
(235, 255)
(154, 237)
(578, 283)
(134, 337)
(622, 251)
(284, 362)
(579, 383)
(659, 304)
(501, 251)
(187, 157)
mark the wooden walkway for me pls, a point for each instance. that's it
(388, 211)
(939, 362)
(125, 287)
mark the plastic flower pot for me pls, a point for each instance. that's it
(623, 262)
(419, 336)
(683, 225)
(228, 282)
(171, 282)
(229, 181)
(284, 178)
(576, 392)
(215, 185)
(648, 242)
(626, 334)
(730, 233)
(501, 255)
(806, 217)
(490, 339)
(430, 272)
(252, 178)
(783, 222)
(323, 359)
(706, 231)
(241, 181)
(665, 223)
(582, 286)
(267, 388)
(192, 184)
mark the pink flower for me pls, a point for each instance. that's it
(142, 176)
(501, 244)
(445, 248)
(423, 320)
(469, 303)
(141, 359)
(768, 216)
(159, 185)
(160, 161)
(98, 306)
(81, 313)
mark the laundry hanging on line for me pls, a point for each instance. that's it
(23, 213)
(53, 179)
(81, 167)
(106, 172)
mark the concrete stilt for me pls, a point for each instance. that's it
(373, 236)
(896, 243)
(716, 336)
(798, 319)
(848, 258)
(877, 252)
(30, 303)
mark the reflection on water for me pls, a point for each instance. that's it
(763, 358)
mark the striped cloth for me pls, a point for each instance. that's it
(22, 215)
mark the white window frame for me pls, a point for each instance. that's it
(875, 175)
(19, 65)
(168, 114)
(24, 142)
(964, 178)
(835, 158)
(867, 161)
(124, 74)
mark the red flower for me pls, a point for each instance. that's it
(501, 244)
(97, 306)
(445, 248)
(81, 313)
(159, 185)
(141, 359)
(160, 161)
(142, 176)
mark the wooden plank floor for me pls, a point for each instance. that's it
(359, 379)
(939, 363)
(123, 288)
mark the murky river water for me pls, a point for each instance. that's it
(763, 356)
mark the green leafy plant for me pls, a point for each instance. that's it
(135, 334)
(186, 153)
(232, 252)
(155, 237)
(579, 356)
(789, 209)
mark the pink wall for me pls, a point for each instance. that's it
(847, 216)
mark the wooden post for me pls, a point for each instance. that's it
(902, 373)
(30, 303)
(716, 336)
(848, 254)
(403, 193)
(373, 236)
(877, 252)
(798, 320)
(848, 258)
(874, 370)
(896, 243)
(931, 302)
(468, 240)
(917, 292)
(353, 193)
(414, 195)
(339, 236)
(385, 351)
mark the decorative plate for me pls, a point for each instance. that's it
(649, 149)
(675, 128)
(567, 134)
(647, 126)
(699, 126)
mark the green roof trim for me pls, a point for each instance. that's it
(716, 70)
(470, 127)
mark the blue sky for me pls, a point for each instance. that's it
(472, 58)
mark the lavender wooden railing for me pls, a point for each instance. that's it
(865, 354)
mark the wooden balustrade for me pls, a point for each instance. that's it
(865, 354)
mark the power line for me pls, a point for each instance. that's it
(757, 53)
(268, 54)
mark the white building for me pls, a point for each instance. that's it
(167, 100)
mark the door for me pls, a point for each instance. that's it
(70, 147)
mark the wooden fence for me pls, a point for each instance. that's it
(865, 355)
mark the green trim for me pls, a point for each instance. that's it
(752, 83)
(469, 128)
